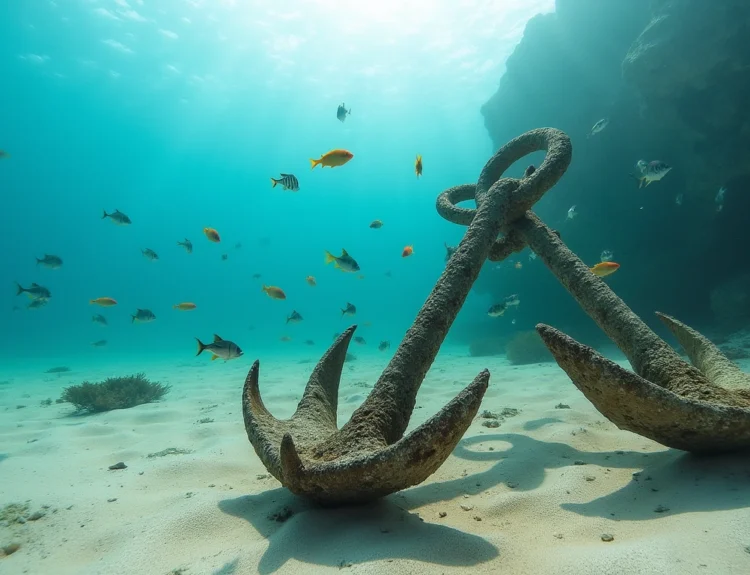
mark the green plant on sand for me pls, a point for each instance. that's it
(114, 393)
(527, 347)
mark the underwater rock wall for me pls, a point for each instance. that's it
(673, 77)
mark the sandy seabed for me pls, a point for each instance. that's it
(532, 496)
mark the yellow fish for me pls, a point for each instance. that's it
(332, 159)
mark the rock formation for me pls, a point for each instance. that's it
(673, 77)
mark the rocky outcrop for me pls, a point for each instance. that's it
(691, 68)
(673, 77)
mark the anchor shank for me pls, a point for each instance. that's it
(396, 391)
(650, 356)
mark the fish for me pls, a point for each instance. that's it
(38, 302)
(344, 262)
(34, 291)
(342, 112)
(256, 276)
(350, 309)
(332, 159)
(50, 261)
(388, 274)
(150, 254)
(376, 224)
(224, 257)
(336, 336)
(651, 171)
(117, 217)
(185, 306)
(187, 244)
(100, 343)
(294, 317)
(512, 300)
(532, 256)
(309, 342)
(238, 245)
(220, 348)
(678, 199)
(383, 345)
(497, 310)
(212, 235)
(606, 256)
(603, 269)
(572, 213)
(99, 318)
(518, 265)
(273, 292)
(287, 181)
(60, 369)
(529, 171)
(285, 338)
(418, 165)
(719, 199)
(408, 250)
(4, 155)
(142, 316)
(598, 127)
(449, 251)
(311, 281)
(103, 301)
(360, 340)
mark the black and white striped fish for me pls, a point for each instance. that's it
(287, 181)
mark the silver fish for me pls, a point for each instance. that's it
(34, 291)
(117, 217)
(99, 318)
(572, 213)
(651, 171)
(342, 112)
(598, 127)
(142, 316)
(385, 344)
(220, 348)
(50, 261)
(150, 254)
(360, 340)
(512, 300)
(497, 310)
(187, 244)
(294, 317)
(344, 262)
(350, 309)
(100, 343)
(287, 181)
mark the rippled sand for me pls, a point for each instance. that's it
(532, 496)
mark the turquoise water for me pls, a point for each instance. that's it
(178, 113)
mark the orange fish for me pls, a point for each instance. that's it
(185, 306)
(212, 235)
(332, 159)
(311, 281)
(604, 269)
(273, 292)
(418, 165)
(408, 250)
(103, 301)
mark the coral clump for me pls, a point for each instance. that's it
(527, 347)
(114, 393)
